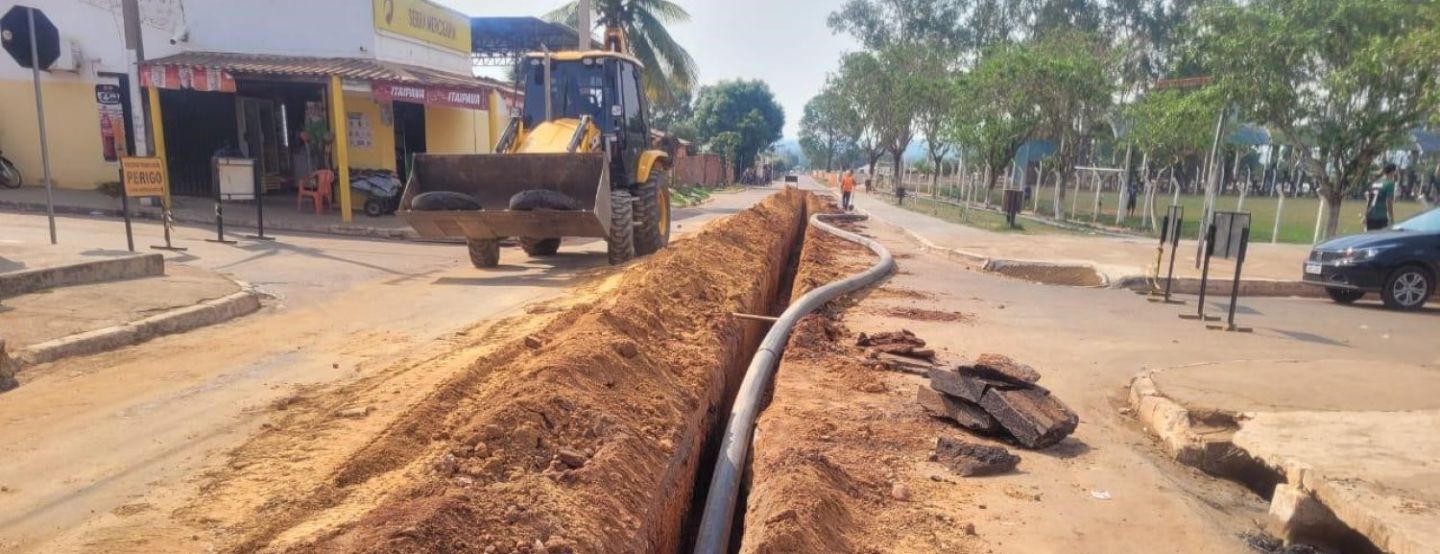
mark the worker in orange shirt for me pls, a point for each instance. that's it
(847, 187)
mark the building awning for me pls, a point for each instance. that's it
(217, 71)
(503, 40)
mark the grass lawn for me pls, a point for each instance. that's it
(983, 219)
(1297, 223)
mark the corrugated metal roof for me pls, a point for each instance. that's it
(366, 69)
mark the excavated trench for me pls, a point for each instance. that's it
(596, 434)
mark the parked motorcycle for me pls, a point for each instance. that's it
(10, 176)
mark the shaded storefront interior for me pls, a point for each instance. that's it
(295, 115)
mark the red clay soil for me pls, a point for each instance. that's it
(589, 442)
(831, 442)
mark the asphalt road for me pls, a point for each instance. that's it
(85, 439)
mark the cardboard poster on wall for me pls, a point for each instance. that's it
(112, 122)
(357, 127)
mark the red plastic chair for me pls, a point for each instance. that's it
(319, 188)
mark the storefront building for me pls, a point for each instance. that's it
(297, 86)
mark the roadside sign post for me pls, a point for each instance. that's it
(140, 177)
(1233, 240)
(1208, 251)
(34, 44)
(125, 209)
(1170, 230)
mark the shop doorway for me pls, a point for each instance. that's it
(409, 135)
(261, 138)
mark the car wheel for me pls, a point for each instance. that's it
(1345, 296)
(1407, 288)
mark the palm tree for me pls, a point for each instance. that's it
(669, 69)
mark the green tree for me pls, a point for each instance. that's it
(669, 69)
(828, 128)
(727, 145)
(747, 108)
(1075, 91)
(1339, 80)
(935, 85)
(1173, 125)
(884, 87)
(881, 23)
(996, 108)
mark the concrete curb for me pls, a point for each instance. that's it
(183, 217)
(130, 266)
(209, 312)
(1306, 501)
(1221, 287)
(1182, 285)
(1170, 422)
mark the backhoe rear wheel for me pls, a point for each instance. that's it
(652, 215)
(540, 247)
(621, 242)
(484, 252)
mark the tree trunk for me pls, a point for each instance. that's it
(935, 178)
(1333, 199)
(899, 167)
(990, 178)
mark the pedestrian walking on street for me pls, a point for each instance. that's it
(847, 188)
(1380, 201)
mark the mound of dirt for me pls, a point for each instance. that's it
(830, 450)
(589, 442)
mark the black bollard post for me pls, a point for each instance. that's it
(1235, 286)
(1207, 252)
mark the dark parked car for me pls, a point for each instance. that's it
(1401, 263)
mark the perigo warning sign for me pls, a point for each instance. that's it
(143, 176)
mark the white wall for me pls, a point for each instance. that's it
(396, 48)
(325, 28)
(98, 31)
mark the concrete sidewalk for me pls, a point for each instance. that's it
(27, 267)
(59, 301)
(279, 209)
(1351, 442)
(1270, 269)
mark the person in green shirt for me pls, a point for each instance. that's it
(1380, 201)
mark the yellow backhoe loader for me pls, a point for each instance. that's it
(575, 162)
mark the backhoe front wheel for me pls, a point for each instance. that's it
(620, 244)
(652, 215)
(484, 252)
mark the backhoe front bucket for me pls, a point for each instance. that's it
(492, 179)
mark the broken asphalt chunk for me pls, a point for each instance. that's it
(965, 414)
(974, 460)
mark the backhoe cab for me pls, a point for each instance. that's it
(575, 162)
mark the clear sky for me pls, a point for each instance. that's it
(783, 42)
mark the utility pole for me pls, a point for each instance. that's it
(587, 22)
(135, 54)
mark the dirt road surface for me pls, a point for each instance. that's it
(92, 441)
(842, 453)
